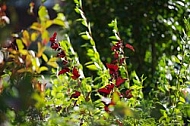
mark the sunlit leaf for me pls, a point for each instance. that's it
(59, 22)
(43, 14)
(181, 99)
(45, 35)
(175, 59)
(115, 97)
(92, 67)
(23, 52)
(43, 68)
(44, 57)
(52, 62)
(36, 26)
(26, 34)
(48, 23)
(19, 44)
(41, 49)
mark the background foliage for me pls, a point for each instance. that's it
(106, 63)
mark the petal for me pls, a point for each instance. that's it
(130, 47)
(128, 94)
(61, 54)
(119, 81)
(63, 71)
(76, 94)
(110, 86)
(75, 73)
(104, 91)
(112, 67)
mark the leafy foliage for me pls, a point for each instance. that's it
(112, 95)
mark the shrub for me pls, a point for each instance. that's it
(64, 95)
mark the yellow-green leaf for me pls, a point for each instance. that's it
(44, 57)
(34, 36)
(36, 26)
(43, 14)
(48, 23)
(59, 22)
(53, 64)
(92, 67)
(26, 34)
(115, 97)
(43, 68)
(181, 99)
(45, 35)
(23, 52)
(40, 49)
(19, 44)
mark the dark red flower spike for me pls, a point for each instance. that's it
(130, 47)
(75, 73)
(76, 94)
(63, 71)
(112, 68)
(119, 81)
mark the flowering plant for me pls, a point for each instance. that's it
(48, 85)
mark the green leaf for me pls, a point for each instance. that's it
(181, 99)
(85, 37)
(43, 68)
(36, 26)
(175, 59)
(44, 57)
(113, 37)
(43, 14)
(48, 23)
(19, 44)
(59, 22)
(23, 52)
(76, 1)
(92, 67)
(34, 36)
(90, 52)
(115, 97)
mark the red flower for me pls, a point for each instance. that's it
(119, 81)
(76, 94)
(75, 74)
(130, 47)
(53, 38)
(55, 46)
(61, 54)
(65, 61)
(110, 86)
(116, 54)
(112, 68)
(121, 61)
(117, 46)
(63, 71)
(128, 94)
(106, 90)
